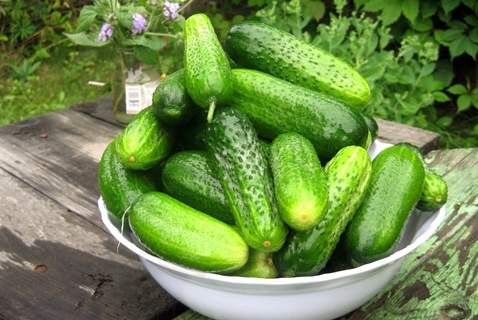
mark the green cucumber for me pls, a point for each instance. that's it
(171, 102)
(348, 176)
(188, 176)
(372, 125)
(259, 265)
(191, 136)
(255, 45)
(395, 188)
(434, 194)
(241, 165)
(276, 106)
(299, 181)
(144, 142)
(183, 235)
(206, 66)
(118, 186)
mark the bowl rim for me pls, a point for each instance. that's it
(119, 235)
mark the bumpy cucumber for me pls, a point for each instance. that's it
(299, 181)
(171, 102)
(348, 176)
(255, 45)
(434, 193)
(276, 106)
(118, 186)
(395, 188)
(183, 235)
(241, 166)
(188, 177)
(259, 265)
(206, 65)
(144, 142)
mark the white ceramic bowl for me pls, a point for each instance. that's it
(325, 296)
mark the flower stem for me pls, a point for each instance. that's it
(159, 34)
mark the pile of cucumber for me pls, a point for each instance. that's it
(252, 161)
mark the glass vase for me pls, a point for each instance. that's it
(132, 85)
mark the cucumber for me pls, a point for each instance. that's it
(255, 45)
(299, 181)
(171, 102)
(259, 265)
(206, 66)
(275, 106)
(241, 165)
(185, 236)
(348, 176)
(144, 142)
(191, 136)
(188, 176)
(395, 188)
(434, 194)
(118, 186)
(372, 125)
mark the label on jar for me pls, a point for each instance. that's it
(139, 96)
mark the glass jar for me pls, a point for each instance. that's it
(132, 85)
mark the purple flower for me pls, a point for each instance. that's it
(106, 32)
(139, 24)
(171, 10)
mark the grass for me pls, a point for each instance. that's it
(59, 82)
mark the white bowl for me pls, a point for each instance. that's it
(325, 296)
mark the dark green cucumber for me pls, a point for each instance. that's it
(118, 186)
(348, 176)
(186, 236)
(395, 188)
(259, 265)
(191, 136)
(144, 142)
(241, 166)
(255, 45)
(188, 176)
(372, 125)
(299, 181)
(434, 193)
(276, 106)
(206, 65)
(171, 102)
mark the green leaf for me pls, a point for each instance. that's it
(428, 69)
(472, 20)
(451, 34)
(410, 9)
(469, 3)
(154, 44)
(474, 35)
(86, 18)
(440, 96)
(470, 47)
(474, 98)
(463, 102)
(314, 9)
(457, 89)
(146, 55)
(444, 121)
(449, 5)
(422, 24)
(428, 8)
(407, 76)
(457, 24)
(82, 39)
(375, 5)
(458, 46)
(125, 17)
(391, 12)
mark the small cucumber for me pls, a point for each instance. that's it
(259, 265)
(206, 65)
(255, 45)
(395, 188)
(118, 186)
(307, 253)
(372, 125)
(171, 102)
(434, 193)
(276, 106)
(188, 176)
(144, 142)
(242, 167)
(183, 235)
(299, 181)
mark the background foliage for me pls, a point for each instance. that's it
(419, 57)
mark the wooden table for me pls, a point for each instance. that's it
(58, 261)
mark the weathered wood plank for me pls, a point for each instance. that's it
(440, 279)
(55, 264)
(58, 154)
